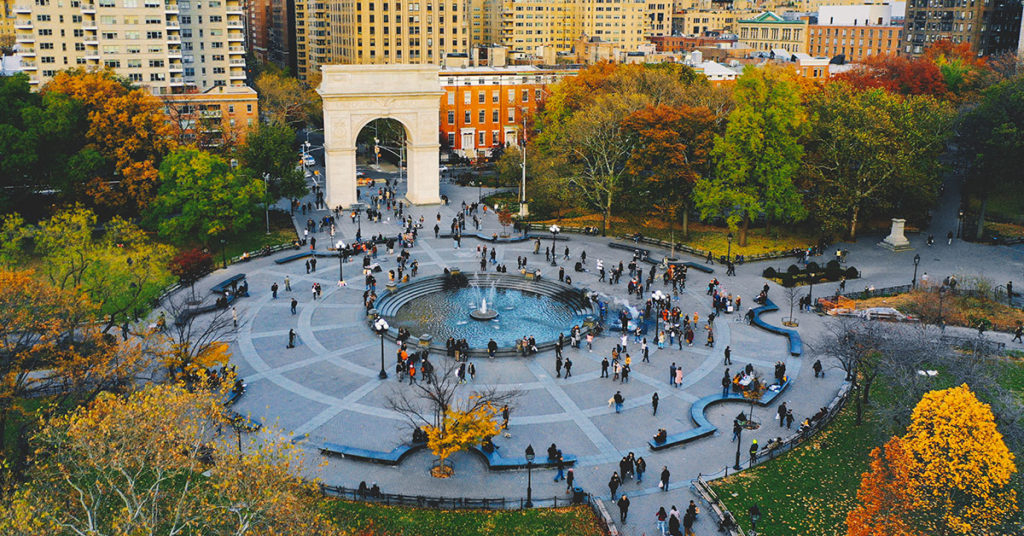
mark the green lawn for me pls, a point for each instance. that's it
(281, 231)
(378, 520)
(810, 489)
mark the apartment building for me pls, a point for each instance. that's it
(218, 116)
(768, 32)
(167, 46)
(854, 43)
(483, 108)
(988, 26)
(312, 37)
(270, 31)
(7, 18)
(397, 31)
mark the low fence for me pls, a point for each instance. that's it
(726, 519)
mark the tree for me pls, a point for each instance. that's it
(47, 328)
(127, 130)
(508, 167)
(155, 462)
(759, 154)
(868, 149)
(898, 74)
(122, 271)
(462, 429)
(285, 100)
(949, 474)
(505, 219)
(191, 344)
(884, 495)
(201, 199)
(191, 265)
(268, 153)
(672, 155)
(993, 137)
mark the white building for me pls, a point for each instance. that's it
(861, 15)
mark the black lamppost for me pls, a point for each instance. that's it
(739, 443)
(554, 232)
(223, 253)
(959, 223)
(381, 327)
(529, 476)
(342, 257)
(728, 251)
(917, 260)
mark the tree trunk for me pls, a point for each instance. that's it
(860, 413)
(604, 223)
(743, 231)
(686, 221)
(981, 218)
(853, 222)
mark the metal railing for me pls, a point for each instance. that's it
(446, 503)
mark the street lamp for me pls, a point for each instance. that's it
(381, 327)
(959, 223)
(728, 252)
(917, 260)
(739, 443)
(554, 232)
(529, 475)
(223, 253)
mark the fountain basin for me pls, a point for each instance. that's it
(480, 314)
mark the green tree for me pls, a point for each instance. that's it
(509, 166)
(868, 147)
(285, 100)
(268, 154)
(201, 199)
(992, 134)
(759, 154)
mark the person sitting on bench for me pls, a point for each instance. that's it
(661, 436)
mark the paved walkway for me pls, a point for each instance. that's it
(326, 389)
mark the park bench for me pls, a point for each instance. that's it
(231, 282)
(645, 256)
(704, 427)
(796, 345)
(376, 456)
(295, 257)
(497, 462)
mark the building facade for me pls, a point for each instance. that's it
(219, 116)
(167, 46)
(312, 39)
(7, 19)
(396, 31)
(988, 26)
(769, 31)
(855, 43)
(483, 108)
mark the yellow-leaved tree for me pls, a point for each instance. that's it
(949, 474)
(158, 462)
(460, 430)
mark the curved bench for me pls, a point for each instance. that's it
(503, 240)
(796, 345)
(704, 427)
(394, 457)
(497, 462)
(650, 259)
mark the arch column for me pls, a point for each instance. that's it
(354, 95)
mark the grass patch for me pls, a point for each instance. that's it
(1004, 230)
(379, 520)
(810, 489)
(701, 236)
(956, 310)
(509, 200)
(255, 237)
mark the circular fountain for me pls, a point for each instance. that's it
(483, 313)
(480, 307)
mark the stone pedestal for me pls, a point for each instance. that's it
(896, 241)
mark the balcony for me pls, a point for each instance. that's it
(92, 56)
(237, 49)
(88, 8)
(170, 7)
(28, 66)
(173, 38)
(22, 10)
(174, 68)
(28, 38)
(173, 53)
(210, 114)
(28, 52)
(90, 25)
(91, 41)
(23, 25)
(236, 38)
(237, 75)
(240, 63)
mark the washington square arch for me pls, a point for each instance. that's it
(355, 95)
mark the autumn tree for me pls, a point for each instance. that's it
(284, 99)
(673, 155)
(509, 166)
(201, 198)
(898, 74)
(192, 343)
(156, 462)
(190, 265)
(269, 154)
(872, 150)
(505, 219)
(992, 134)
(461, 429)
(759, 154)
(952, 469)
(126, 129)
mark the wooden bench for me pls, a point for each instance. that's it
(387, 458)
(497, 462)
(796, 345)
(704, 427)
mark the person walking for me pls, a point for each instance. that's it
(570, 477)
(618, 399)
(728, 355)
(736, 430)
(560, 465)
(273, 290)
(1018, 332)
(673, 525)
(291, 338)
(558, 366)
(782, 414)
(641, 468)
(287, 284)
(672, 374)
(234, 316)
(623, 508)
(295, 303)
(663, 484)
(613, 484)
(654, 403)
(688, 520)
(504, 417)
(604, 368)
(726, 383)
(817, 369)
(568, 368)
(662, 519)
(753, 452)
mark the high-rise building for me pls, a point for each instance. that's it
(167, 46)
(988, 26)
(270, 31)
(312, 37)
(397, 31)
(6, 23)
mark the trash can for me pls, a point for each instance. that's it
(577, 495)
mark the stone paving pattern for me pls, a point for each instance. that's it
(326, 389)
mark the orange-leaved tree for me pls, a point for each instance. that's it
(156, 462)
(126, 128)
(954, 470)
(462, 429)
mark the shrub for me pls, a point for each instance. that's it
(852, 273)
(833, 273)
(793, 269)
(833, 265)
(813, 267)
(786, 280)
(769, 273)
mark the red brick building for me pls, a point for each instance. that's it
(857, 43)
(682, 43)
(483, 107)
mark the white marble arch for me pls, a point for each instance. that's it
(354, 95)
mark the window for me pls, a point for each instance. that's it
(482, 116)
(466, 118)
(134, 64)
(511, 115)
(451, 98)
(132, 35)
(154, 35)
(451, 117)
(536, 94)
(494, 137)
(451, 139)
(110, 35)
(156, 64)
(526, 95)
(494, 116)
(46, 59)
(248, 108)
(494, 96)
(135, 77)
(482, 138)
(45, 46)
(113, 64)
(480, 97)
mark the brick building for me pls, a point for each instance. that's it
(218, 116)
(856, 43)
